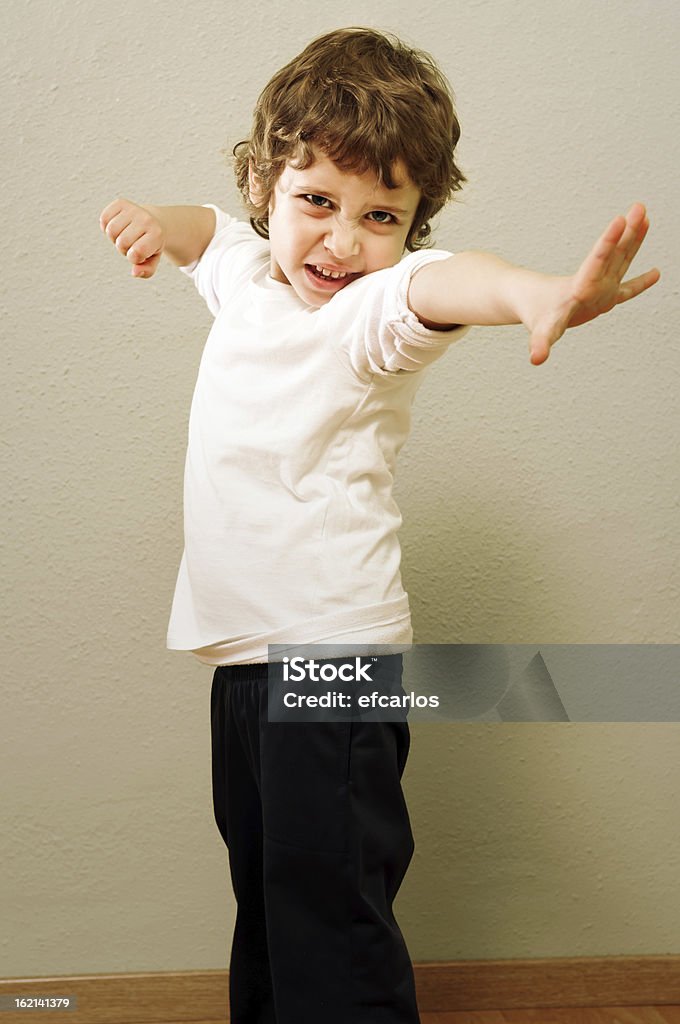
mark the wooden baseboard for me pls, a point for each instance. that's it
(163, 998)
(532, 984)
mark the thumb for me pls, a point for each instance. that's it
(539, 348)
(147, 268)
(543, 337)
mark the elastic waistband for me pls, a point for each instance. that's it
(253, 672)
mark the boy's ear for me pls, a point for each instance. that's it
(254, 186)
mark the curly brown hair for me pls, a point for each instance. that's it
(365, 99)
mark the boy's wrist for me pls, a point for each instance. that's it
(530, 294)
(186, 231)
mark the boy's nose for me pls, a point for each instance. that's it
(342, 242)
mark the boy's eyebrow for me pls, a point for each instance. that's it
(318, 190)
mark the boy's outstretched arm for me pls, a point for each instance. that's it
(142, 233)
(480, 288)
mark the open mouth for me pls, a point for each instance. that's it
(328, 279)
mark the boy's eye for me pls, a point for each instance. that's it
(385, 217)
(312, 199)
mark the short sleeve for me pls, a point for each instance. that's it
(377, 332)
(232, 254)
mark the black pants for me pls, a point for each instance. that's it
(319, 841)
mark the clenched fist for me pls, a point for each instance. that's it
(136, 233)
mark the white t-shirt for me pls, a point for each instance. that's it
(296, 421)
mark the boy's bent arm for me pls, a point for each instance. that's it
(143, 233)
(480, 288)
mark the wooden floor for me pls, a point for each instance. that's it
(602, 1015)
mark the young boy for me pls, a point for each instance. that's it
(302, 403)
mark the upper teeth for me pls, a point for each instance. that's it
(331, 273)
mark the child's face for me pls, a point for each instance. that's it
(326, 217)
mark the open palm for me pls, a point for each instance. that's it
(598, 285)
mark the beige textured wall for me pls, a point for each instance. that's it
(540, 504)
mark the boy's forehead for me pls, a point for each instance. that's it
(327, 176)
